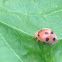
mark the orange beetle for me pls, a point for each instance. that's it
(46, 35)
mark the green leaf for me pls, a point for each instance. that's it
(19, 20)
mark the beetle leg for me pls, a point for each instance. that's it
(49, 44)
(37, 40)
(43, 43)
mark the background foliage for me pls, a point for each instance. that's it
(19, 20)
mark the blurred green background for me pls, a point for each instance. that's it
(19, 20)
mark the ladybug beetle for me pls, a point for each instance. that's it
(46, 35)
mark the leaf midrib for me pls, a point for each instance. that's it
(15, 28)
(11, 48)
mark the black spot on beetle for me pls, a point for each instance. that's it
(53, 39)
(46, 32)
(47, 39)
(52, 32)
